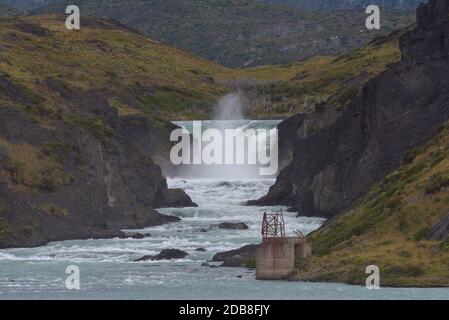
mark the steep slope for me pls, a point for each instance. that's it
(348, 4)
(82, 124)
(242, 33)
(401, 226)
(305, 86)
(339, 156)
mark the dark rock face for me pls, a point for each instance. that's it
(348, 152)
(136, 235)
(440, 231)
(232, 226)
(166, 254)
(113, 182)
(242, 257)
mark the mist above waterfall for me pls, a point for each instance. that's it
(229, 146)
(231, 106)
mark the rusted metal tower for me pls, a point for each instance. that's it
(273, 225)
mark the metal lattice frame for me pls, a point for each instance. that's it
(273, 225)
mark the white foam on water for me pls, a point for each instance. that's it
(108, 269)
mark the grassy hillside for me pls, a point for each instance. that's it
(143, 76)
(304, 86)
(80, 80)
(135, 74)
(390, 227)
(243, 33)
(84, 118)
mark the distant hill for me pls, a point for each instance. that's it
(82, 116)
(347, 4)
(6, 10)
(242, 33)
(26, 5)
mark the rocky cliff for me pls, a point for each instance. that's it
(85, 187)
(338, 157)
(79, 139)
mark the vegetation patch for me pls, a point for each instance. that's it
(53, 210)
(29, 229)
(29, 170)
(95, 126)
(437, 182)
(4, 228)
(390, 226)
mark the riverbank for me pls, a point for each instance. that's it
(108, 270)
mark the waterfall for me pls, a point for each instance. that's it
(230, 146)
(231, 107)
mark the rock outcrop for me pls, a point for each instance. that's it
(338, 160)
(231, 226)
(79, 155)
(242, 257)
(440, 231)
(166, 254)
(105, 185)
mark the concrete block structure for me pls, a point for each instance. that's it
(277, 257)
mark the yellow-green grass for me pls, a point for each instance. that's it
(53, 210)
(389, 227)
(172, 84)
(32, 169)
(102, 55)
(329, 80)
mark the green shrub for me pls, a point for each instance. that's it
(437, 182)
(403, 271)
(3, 207)
(4, 228)
(53, 179)
(53, 210)
(421, 234)
(5, 158)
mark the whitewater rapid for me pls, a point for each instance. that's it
(108, 270)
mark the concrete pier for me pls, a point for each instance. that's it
(277, 257)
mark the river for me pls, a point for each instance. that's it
(108, 271)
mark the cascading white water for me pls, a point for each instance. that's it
(230, 107)
(253, 142)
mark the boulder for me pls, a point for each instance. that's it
(144, 258)
(166, 254)
(231, 226)
(242, 257)
(137, 235)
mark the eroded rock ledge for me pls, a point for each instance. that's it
(94, 185)
(394, 112)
